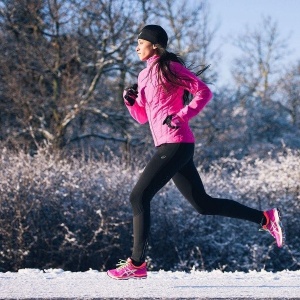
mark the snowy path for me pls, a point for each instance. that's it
(57, 284)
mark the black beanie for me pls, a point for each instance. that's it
(154, 34)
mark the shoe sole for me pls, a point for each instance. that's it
(279, 215)
(132, 277)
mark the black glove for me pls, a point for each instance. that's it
(168, 121)
(131, 94)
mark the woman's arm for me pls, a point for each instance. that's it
(190, 82)
(136, 111)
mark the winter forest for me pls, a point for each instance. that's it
(70, 153)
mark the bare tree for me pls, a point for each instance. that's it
(65, 64)
(55, 57)
(259, 66)
(290, 93)
(191, 34)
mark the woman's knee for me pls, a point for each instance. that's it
(138, 201)
(204, 204)
(135, 197)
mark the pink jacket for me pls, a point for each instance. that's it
(154, 104)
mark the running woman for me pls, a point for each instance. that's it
(158, 99)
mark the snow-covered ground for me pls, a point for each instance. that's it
(59, 284)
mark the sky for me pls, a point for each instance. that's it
(233, 16)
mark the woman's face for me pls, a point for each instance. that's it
(145, 49)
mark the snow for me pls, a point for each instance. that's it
(60, 284)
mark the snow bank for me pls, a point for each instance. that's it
(59, 284)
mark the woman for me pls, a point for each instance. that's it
(158, 99)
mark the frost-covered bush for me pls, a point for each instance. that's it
(57, 212)
(75, 214)
(209, 242)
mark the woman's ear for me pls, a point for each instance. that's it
(154, 46)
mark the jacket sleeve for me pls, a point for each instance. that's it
(200, 91)
(137, 111)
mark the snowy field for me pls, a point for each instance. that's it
(59, 284)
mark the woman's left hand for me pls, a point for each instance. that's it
(172, 121)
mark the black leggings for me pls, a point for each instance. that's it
(176, 161)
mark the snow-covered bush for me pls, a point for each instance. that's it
(68, 213)
(209, 242)
(75, 214)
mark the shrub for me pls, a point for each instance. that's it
(74, 214)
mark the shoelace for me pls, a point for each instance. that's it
(273, 228)
(122, 264)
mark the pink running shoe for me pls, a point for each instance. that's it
(273, 225)
(126, 270)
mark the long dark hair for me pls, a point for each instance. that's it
(164, 72)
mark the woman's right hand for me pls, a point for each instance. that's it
(131, 95)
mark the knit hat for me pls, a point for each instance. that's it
(154, 34)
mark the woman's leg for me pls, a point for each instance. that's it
(189, 183)
(168, 159)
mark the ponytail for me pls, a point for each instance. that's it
(164, 72)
